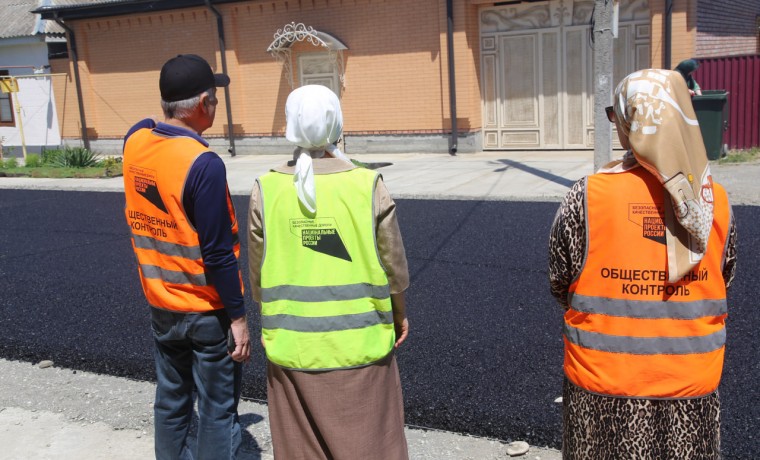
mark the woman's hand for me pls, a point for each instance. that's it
(401, 325)
(400, 322)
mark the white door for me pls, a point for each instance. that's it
(319, 69)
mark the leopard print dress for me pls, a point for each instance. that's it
(603, 427)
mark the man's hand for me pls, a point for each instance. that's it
(239, 330)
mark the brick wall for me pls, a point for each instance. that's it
(66, 105)
(727, 28)
(119, 63)
(683, 31)
(466, 60)
(396, 69)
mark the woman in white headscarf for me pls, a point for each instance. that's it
(640, 257)
(327, 264)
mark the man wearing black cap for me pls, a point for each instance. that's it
(185, 237)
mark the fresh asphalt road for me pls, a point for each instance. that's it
(484, 355)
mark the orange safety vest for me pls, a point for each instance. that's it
(628, 332)
(166, 244)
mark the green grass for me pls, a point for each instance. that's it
(65, 162)
(63, 172)
(741, 156)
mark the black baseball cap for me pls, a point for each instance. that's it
(186, 76)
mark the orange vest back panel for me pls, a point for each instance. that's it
(628, 332)
(167, 247)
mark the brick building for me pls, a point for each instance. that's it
(728, 28)
(521, 73)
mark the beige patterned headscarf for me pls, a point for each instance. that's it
(655, 113)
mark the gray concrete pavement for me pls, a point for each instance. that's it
(63, 414)
(488, 176)
(520, 176)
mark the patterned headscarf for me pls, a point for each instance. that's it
(314, 124)
(655, 112)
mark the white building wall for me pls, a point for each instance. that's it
(35, 96)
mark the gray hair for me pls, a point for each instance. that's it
(182, 109)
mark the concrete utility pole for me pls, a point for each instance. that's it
(602, 36)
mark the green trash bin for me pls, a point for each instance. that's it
(712, 113)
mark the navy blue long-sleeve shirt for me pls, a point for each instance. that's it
(205, 202)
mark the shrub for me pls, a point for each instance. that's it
(9, 163)
(33, 161)
(110, 162)
(76, 157)
(50, 156)
(112, 165)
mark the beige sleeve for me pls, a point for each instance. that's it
(255, 240)
(390, 246)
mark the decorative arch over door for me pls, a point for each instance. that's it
(284, 38)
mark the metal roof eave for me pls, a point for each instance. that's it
(100, 10)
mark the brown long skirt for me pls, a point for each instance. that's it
(343, 415)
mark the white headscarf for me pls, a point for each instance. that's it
(314, 124)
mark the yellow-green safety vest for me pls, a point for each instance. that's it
(325, 295)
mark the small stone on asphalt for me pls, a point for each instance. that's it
(45, 364)
(517, 448)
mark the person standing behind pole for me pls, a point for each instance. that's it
(185, 237)
(687, 69)
(641, 255)
(327, 265)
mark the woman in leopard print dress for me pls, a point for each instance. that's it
(608, 426)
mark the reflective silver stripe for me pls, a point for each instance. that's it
(326, 323)
(172, 276)
(324, 293)
(646, 345)
(169, 249)
(647, 309)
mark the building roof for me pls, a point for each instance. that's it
(67, 4)
(83, 9)
(17, 19)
